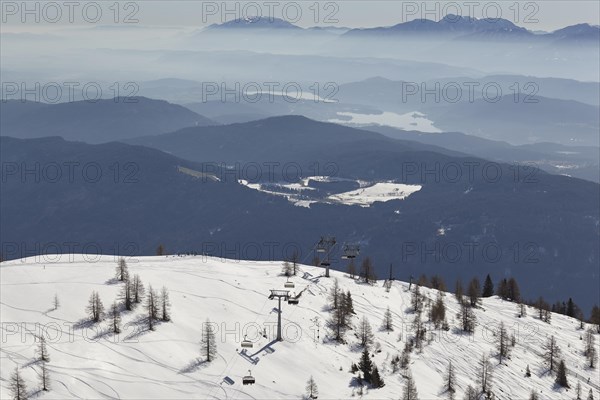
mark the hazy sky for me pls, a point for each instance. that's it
(534, 15)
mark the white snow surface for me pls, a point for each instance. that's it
(365, 196)
(411, 121)
(381, 191)
(90, 362)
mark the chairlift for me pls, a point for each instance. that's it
(289, 284)
(293, 300)
(350, 251)
(248, 379)
(321, 246)
(247, 344)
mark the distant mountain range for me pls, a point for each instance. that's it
(95, 122)
(450, 26)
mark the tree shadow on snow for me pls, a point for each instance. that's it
(140, 327)
(193, 366)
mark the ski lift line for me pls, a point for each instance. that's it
(232, 364)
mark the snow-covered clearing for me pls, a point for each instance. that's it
(382, 191)
(412, 121)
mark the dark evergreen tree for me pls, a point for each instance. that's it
(121, 271)
(160, 250)
(471, 393)
(294, 261)
(287, 269)
(502, 342)
(376, 379)
(405, 357)
(417, 299)
(533, 395)
(551, 353)
(589, 350)
(514, 293)
(595, 317)
(488, 287)
(365, 332)
(570, 308)
(450, 381)
(151, 307)
(348, 304)
(388, 322)
(312, 391)
(209, 342)
(437, 282)
(502, 290)
(165, 305)
(365, 365)
(561, 374)
(438, 311)
(95, 308)
(340, 319)
(351, 269)
(116, 318)
(126, 295)
(17, 386)
(543, 310)
(467, 318)
(44, 378)
(474, 292)
(410, 389)
(419, 331)
(56, 302)
(335, 294)
(367, 271)
(395, 363)
(42, 350)
(484, 374)
(137, 289)
(458, 291)
(590, 395)
(527, 371)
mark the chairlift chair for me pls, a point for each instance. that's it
(350, 251)
(247, 344)
(289, 284)
(293, 300)
(321, 246)
(248, 379)
(325, 263)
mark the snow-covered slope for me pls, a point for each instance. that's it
(86, 361)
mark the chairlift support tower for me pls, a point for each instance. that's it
(279, 294)
(325, 245)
